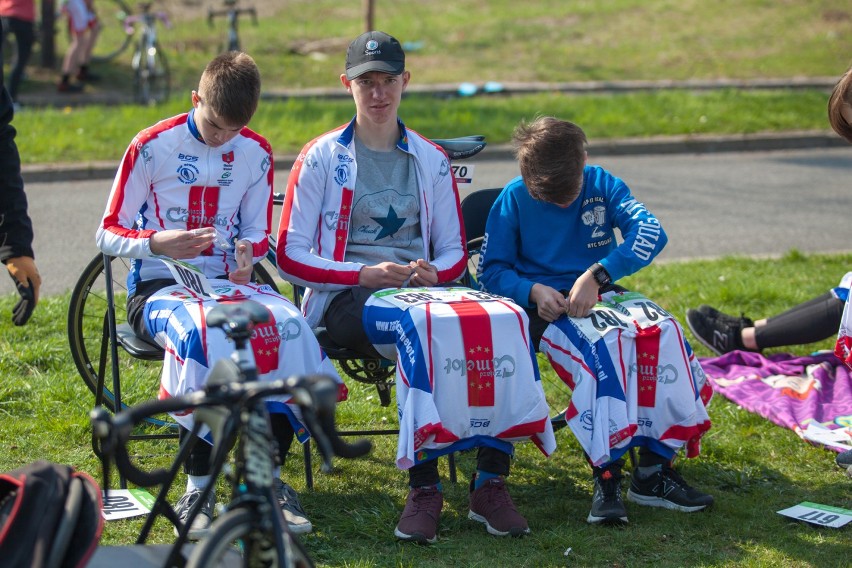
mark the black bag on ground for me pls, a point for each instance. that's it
(50, 516)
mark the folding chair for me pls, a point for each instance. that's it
(475, 208)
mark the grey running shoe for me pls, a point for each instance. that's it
(492, 506)
(294, 514)
(419, 520)
(201, 523)
(718, 337)
(667, 489)
(607, 505)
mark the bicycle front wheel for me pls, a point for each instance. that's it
(152, 78)
(235, 540)
(114, 37)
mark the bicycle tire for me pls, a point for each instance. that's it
(89, 347)
(89, 342)
(114, 38)
(152, 78)
(233, 534)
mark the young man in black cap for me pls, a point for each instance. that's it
(398, 225)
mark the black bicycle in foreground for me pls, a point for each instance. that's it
(251, 531)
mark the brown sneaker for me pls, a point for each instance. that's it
(419, 520)
(492, 505)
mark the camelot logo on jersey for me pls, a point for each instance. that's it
(499, 367)
(666, 374)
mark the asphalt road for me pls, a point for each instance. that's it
(711, 205)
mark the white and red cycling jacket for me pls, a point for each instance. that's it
(170, 179)
(314, 228)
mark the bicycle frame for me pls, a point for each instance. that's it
(232, 405)
(149, 62)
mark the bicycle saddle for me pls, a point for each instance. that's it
(461, 147)
(238, 315)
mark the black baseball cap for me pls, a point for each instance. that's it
(374, 51)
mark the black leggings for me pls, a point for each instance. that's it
(24, 37)
(343, 321)
(808, 322)
(198, 462)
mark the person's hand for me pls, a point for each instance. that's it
(583, 296)
(245, 266)
(177, 243)
(422, 274)
(550, 303)
(27, 280)
(385, 275)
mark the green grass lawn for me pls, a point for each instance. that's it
(752, 467)
(96, 133)
(455, 41)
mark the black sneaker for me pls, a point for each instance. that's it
(844, 459)
(607, 505)
(715, 335)
(667, 489)
(727, 319)
(201, 523)
(85, 76)
(69, 88)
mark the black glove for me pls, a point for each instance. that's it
(23, 269)
(25, 306)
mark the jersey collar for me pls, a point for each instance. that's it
(193, 128)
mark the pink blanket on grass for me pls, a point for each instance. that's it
(789, 390)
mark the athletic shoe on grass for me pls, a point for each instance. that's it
(715, 335)
(666, 488)
(607, 505)
(492, 505)
(294, 514)
(201, 523)
(727, 319)
(419, 520)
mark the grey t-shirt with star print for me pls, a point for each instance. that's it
(385, 218)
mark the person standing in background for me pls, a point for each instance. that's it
(84, 26)
(16, 229)
(18, 19)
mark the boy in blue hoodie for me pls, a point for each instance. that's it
(550, 246)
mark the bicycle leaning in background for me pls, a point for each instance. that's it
(233, 13)
(151, 76)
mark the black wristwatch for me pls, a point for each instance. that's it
(600, 274)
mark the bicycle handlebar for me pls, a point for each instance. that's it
(316, 396)
(211, 13)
